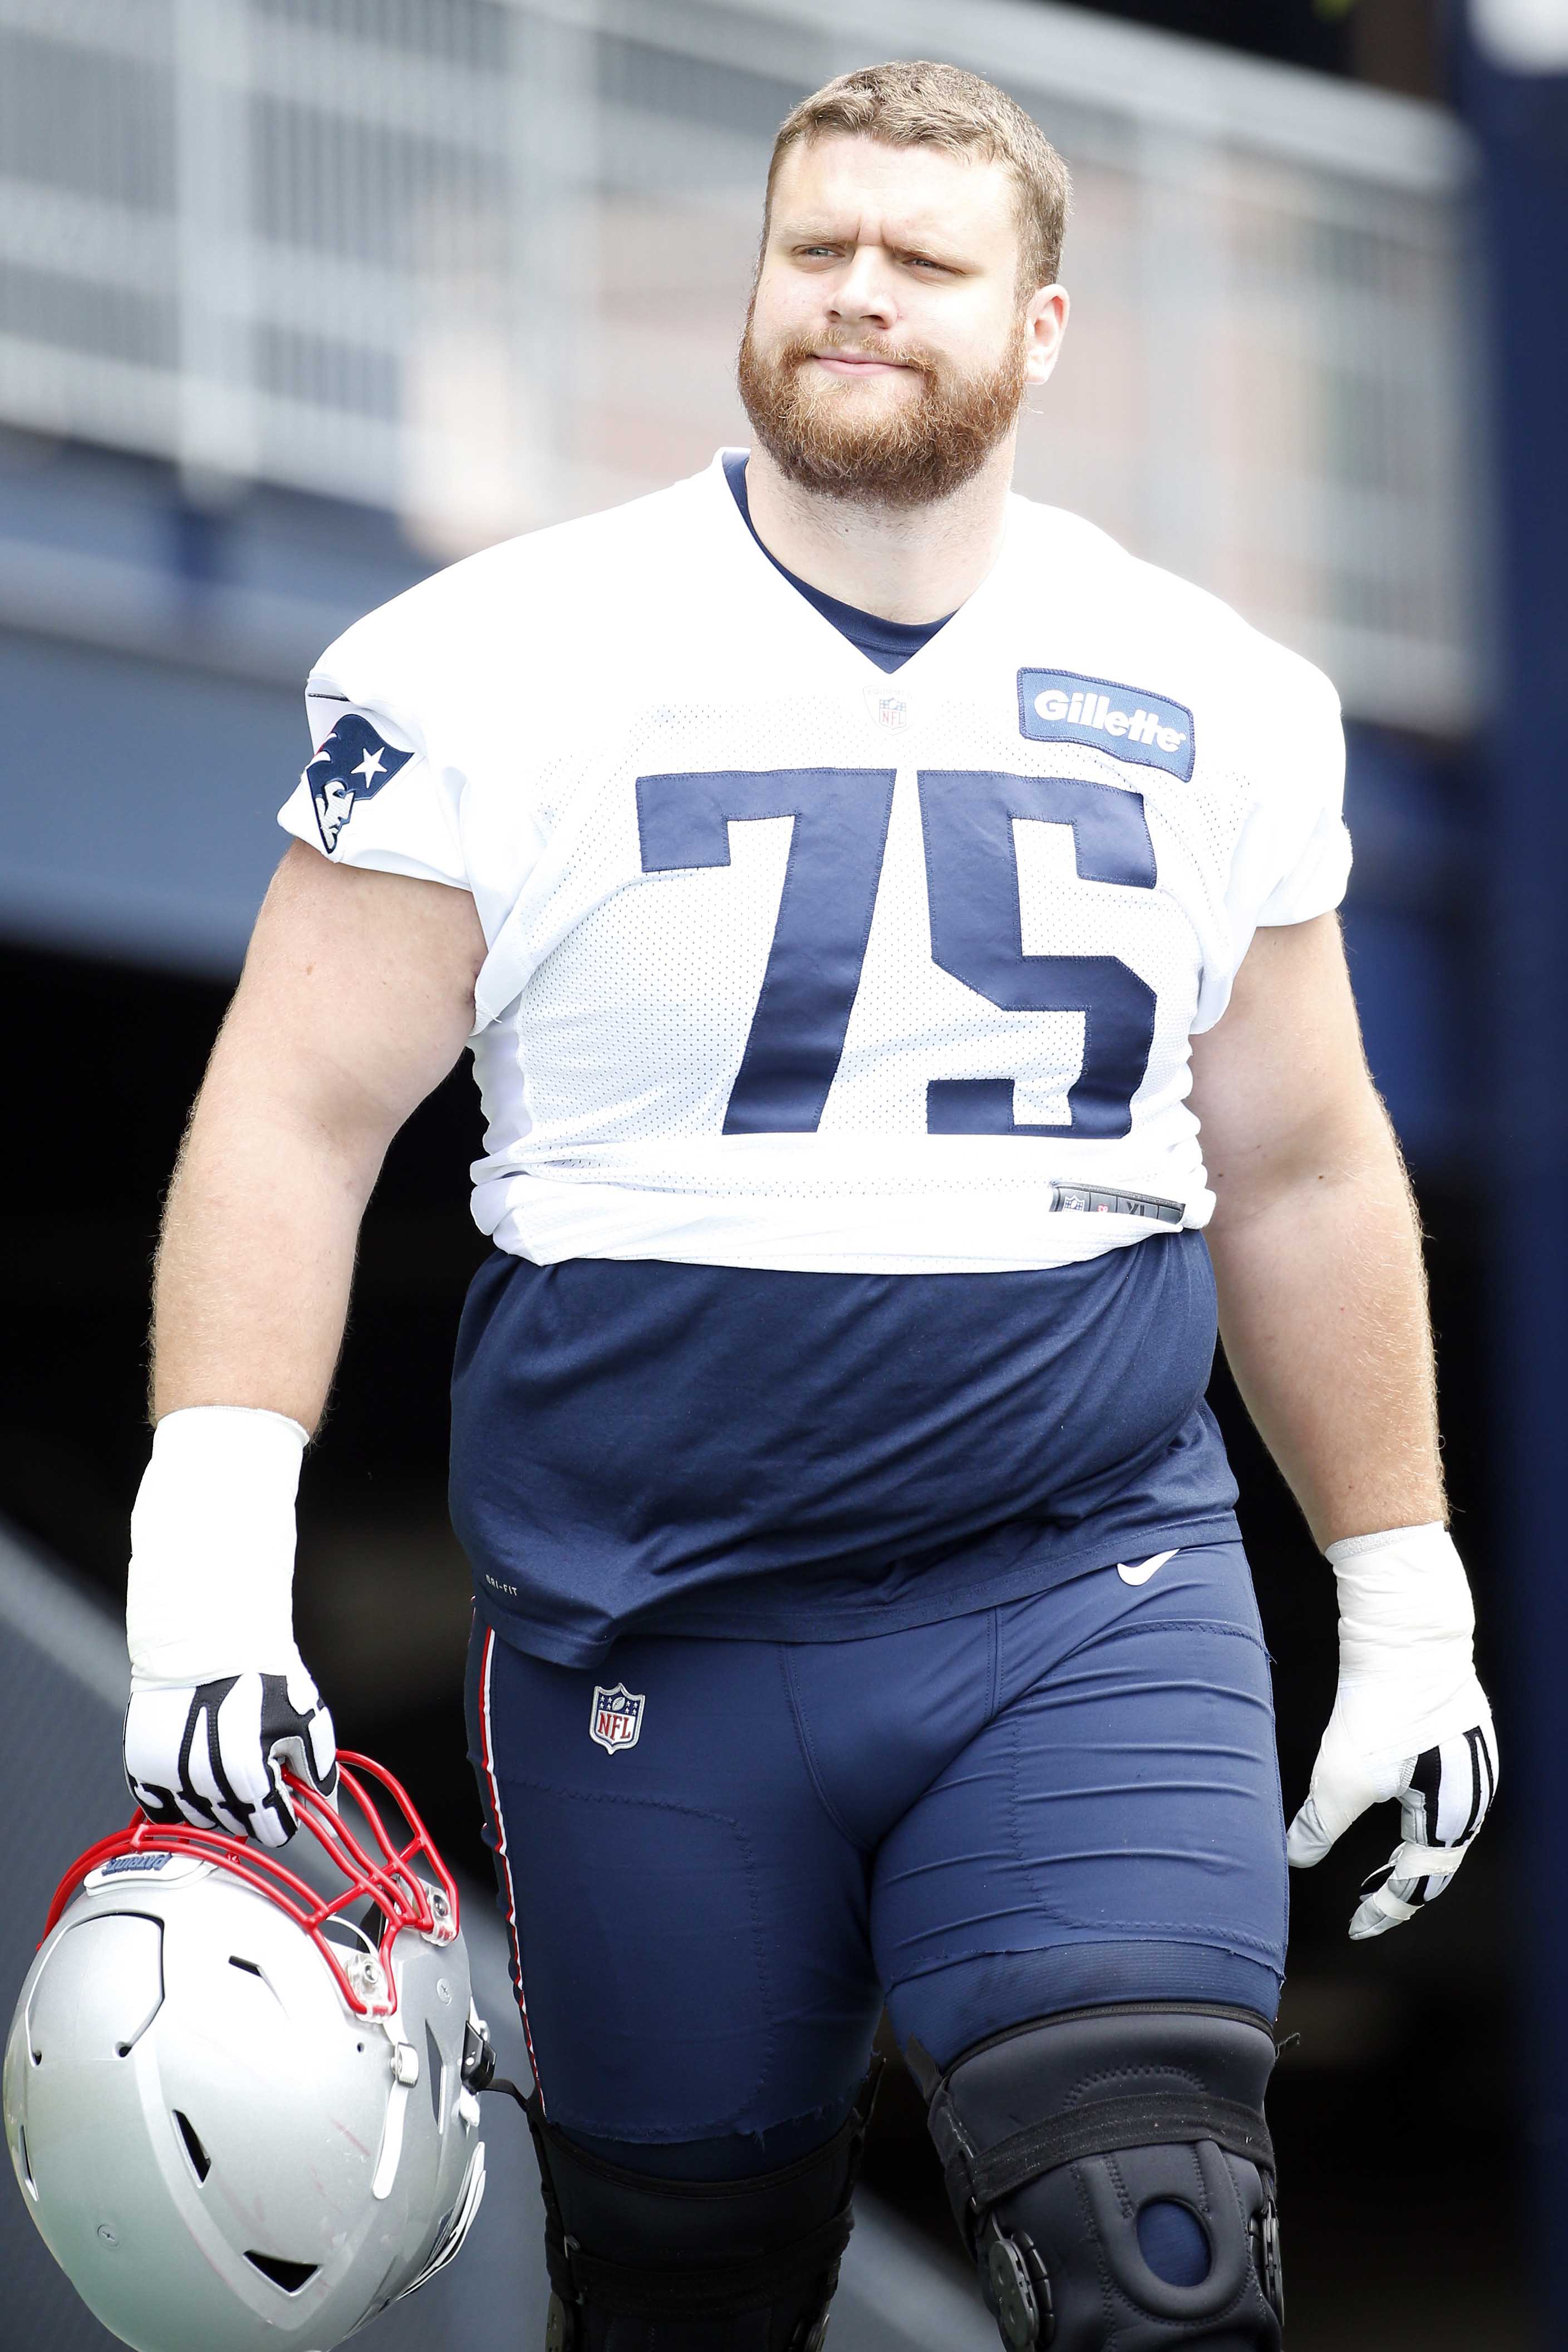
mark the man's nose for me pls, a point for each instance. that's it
(864, 294)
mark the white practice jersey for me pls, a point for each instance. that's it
(795, 963)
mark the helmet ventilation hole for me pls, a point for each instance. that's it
(200, 2162)
(249, 1967)
(289, 2276)
(435, 2073)
(28, 2183)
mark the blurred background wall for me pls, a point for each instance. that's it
(299, 298)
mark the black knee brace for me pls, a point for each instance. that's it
(1113, 2178)
(732, 2265)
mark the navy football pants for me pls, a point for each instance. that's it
(1066, 1799)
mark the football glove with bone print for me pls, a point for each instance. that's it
(221, 1700)
(1410, 1721)
(212, 1753)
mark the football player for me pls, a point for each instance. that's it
(894, 931)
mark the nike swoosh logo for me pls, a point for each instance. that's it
(1145, 1568)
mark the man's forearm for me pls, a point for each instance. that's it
(1322, 1311)
(257, 1258)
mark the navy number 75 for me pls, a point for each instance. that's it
(839, 831)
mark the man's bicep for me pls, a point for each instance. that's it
(358, 990)
(1279, 1083)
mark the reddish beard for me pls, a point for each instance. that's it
(914, 452)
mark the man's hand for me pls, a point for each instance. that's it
(219, 1697)
(212, 1753)
(1410, 1721)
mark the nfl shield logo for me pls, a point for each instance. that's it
(617, 1718)
(889, 710)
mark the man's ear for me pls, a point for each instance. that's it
(1045, 324)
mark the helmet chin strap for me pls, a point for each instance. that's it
(479, 2068)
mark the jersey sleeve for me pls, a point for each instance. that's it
(1293, 860)
(372, 793)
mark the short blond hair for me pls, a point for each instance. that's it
(912, 103)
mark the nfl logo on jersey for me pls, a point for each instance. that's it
(617, 1718)
(889, 710)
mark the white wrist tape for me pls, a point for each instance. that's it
(1404, 1591)
(212, 1547)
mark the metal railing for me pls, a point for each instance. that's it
(484, 262)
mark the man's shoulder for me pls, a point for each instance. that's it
(561, 580)
(1142, 606)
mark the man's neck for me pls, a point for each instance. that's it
(906, 563)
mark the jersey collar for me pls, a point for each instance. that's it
(781, 597)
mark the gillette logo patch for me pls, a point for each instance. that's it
(1056, 706)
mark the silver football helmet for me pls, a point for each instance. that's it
(237, 2093)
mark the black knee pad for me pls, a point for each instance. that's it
(637, 2262)
(1113, 2178)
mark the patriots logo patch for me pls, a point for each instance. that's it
(352, 765)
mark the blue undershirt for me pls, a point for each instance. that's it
(646, 1446)
(889, 643)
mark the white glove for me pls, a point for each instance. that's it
(219, 1697)
(1410, 1721)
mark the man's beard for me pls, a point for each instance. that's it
(914, 452)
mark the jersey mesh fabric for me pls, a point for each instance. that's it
(672, 965)
(542, 686)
